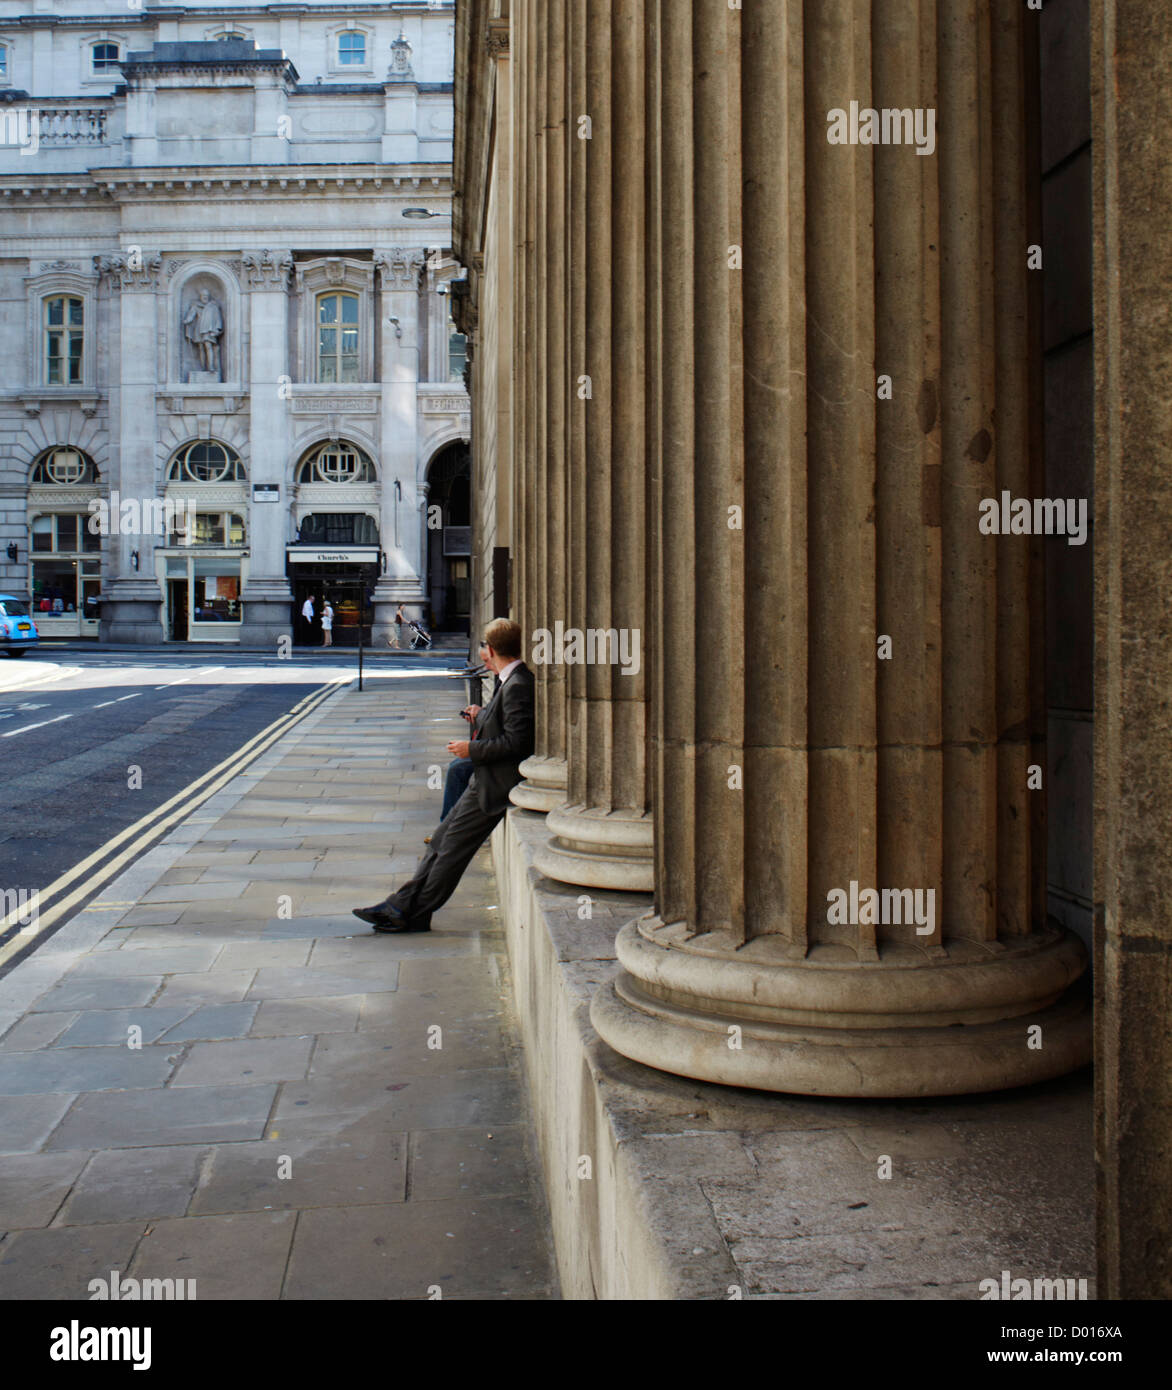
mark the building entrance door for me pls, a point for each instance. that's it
(349, 589)
(177, 616)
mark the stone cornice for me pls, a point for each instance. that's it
(123, 19)
(232, 183)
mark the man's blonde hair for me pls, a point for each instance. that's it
(504, 637)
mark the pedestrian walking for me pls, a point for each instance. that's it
(396, 638)
(327, 625)
(307, 615)
(501, 740)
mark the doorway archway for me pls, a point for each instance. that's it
(449, 543)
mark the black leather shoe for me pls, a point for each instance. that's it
(389, 919)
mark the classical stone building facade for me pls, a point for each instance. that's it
(225, 319)
(779, 316)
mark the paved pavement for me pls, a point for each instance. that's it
(310, 1110)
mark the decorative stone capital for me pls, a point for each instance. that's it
(267, 269)
(496, 38)
(400, 267)
(132, 271)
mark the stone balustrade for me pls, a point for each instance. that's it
(71, 125)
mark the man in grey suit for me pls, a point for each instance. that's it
(502, 739)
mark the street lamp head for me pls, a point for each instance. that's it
(420, 214)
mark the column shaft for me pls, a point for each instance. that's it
(848, 855)
(602, 835)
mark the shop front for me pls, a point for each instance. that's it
(345, 578)
(203, 596)
(65, 575)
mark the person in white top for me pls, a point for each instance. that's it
(327, 625)
(307, 612)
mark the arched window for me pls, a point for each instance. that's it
(339, 462)
(206, 461)
(64, 468)
(337, 337)
(105, 57)
(64, 339)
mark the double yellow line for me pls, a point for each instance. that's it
(131, 842)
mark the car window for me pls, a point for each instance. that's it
(13, 608)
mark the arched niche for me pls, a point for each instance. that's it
(188, 368)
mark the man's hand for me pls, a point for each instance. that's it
(458, 748)
(470, 711)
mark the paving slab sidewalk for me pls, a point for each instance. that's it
(216, 1073)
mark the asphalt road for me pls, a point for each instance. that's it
(72, 736)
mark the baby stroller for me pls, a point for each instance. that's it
(420, 638)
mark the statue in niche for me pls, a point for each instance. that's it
(203, 327)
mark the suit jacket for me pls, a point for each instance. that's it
(504, 739)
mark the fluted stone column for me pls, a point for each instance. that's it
(133, 602)
(267, 595)
(547, 372)
(602, 835)
(805, 518)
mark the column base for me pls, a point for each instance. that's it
(544, 786)
(599, 848)
(132, 611)
(910, 1025)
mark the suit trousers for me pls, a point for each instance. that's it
(459, 774)
(451, 850)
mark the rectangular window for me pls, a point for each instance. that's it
(457, 356)
(337, 338)
(105, 57)
(67, 533)
(3, 61)
(351, 50)
(209, 528)
(54, 586)
(64, 340)
(215, 595)
(42, 533)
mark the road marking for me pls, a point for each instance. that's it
(27, 728)
(135, 838)
(204, 671)
(119, 700)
